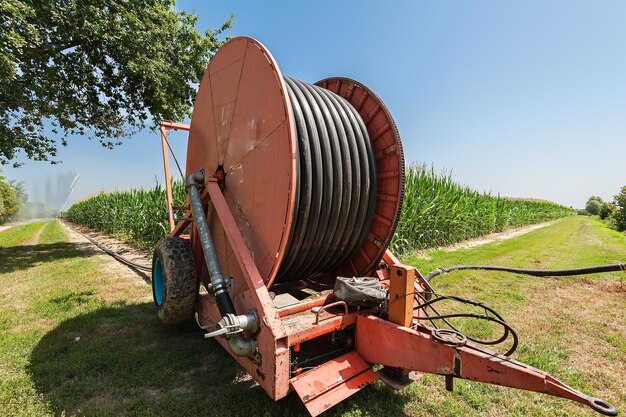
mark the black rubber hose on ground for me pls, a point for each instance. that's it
(115, 254)
(533, 272)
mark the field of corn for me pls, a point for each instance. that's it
(136, 216)
(437, 211)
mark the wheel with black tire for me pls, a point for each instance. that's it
(174, 287)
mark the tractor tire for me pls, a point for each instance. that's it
(174, 287)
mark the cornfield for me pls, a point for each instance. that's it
(136, 216)
(437, 211)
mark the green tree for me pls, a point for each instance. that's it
(102, 68)
(606, 210)
(9, 201)
(619, 216)
(593, 205)
(21, 194)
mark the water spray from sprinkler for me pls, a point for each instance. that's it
(71, 191)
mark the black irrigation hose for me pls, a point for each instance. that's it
(508, 330)
(533, 272)
(115, 254)
(336, 192)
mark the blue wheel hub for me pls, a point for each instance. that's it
(157, 282)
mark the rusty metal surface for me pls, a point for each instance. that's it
(164, 127)
(390, 258)
(242, 122)
(302, 326)
(168, 182)
(306, 304)
(168, 125)
(416, 350)
(250, 292)
(387, 146)
(397, 380)
(272, 370)
(318, 310)
(332, 382)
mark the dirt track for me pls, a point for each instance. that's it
(77, 234)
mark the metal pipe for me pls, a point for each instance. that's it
(304, 305)
(231, 325)
(218, 283)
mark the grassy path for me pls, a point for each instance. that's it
(79, 337)
(573, 327)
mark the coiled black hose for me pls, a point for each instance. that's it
(489, 315)
(336, 191)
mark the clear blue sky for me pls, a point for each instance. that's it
(527, 99)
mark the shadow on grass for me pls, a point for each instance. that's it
(19, 258)
(120, 360)
(14, 258)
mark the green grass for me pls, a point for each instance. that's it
(80, 337)
(16, 235)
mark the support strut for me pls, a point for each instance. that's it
(417, 350)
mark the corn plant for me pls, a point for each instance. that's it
(136, 216)
(438, 211)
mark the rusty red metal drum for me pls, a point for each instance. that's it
(243, 126)
(241, 123)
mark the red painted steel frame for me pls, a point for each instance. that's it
(404, 349)
(416, 350)
(165, 127)
(270, 368)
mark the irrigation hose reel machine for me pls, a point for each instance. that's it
(293, 194)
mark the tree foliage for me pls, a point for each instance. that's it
(24, 211)
(101, 68)
(619, 215)
(9, 201)
(606, 210)
(594, 204)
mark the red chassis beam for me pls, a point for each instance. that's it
(417, 350)
(270, 366)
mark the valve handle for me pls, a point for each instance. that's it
(218, 332)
